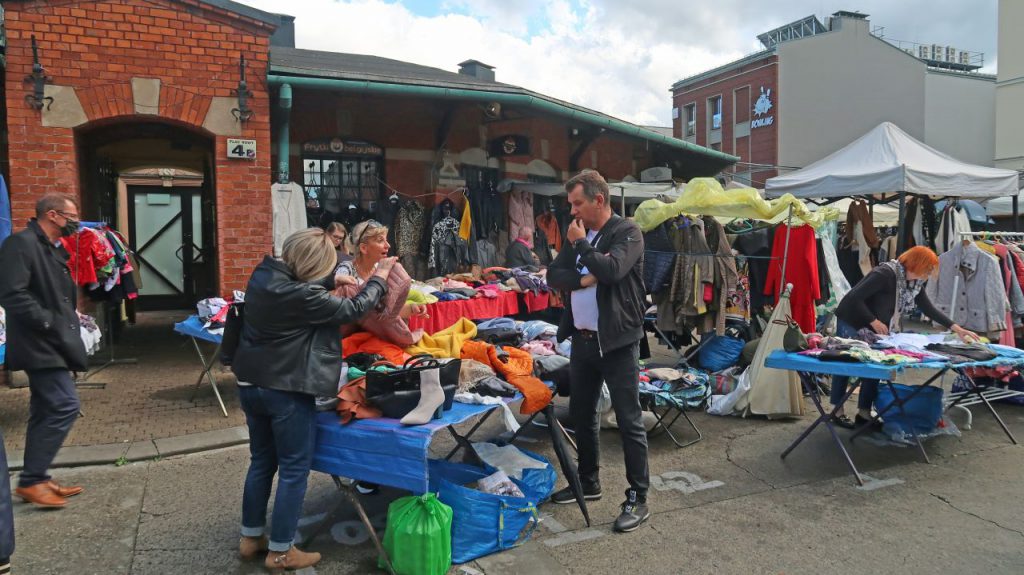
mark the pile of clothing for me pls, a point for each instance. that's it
(90, 333)
(102, 263)
(904, 348)
(683, 388)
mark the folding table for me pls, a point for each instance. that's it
(807, 367)
(385, 452)
(193, 328)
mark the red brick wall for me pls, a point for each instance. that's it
(412, 124)
(97, 48)
(744, 83)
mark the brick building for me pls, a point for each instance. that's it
(818, 86)
(130, 106)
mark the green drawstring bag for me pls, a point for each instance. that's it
(418, 537)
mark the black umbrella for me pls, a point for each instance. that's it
(565, 460)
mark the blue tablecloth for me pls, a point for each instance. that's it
(795, 362)
(383, 450)
(193, 327)
(3, 352)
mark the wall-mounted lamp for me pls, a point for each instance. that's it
(242, 113)
(39, 80)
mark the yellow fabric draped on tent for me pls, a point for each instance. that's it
(706, 197)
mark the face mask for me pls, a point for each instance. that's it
(69, 228)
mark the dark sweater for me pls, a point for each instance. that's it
(874, 297)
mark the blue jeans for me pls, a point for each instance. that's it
(868, 387)
(282, 429)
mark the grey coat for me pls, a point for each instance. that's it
(981, 299)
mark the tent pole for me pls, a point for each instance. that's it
(899, 230)
(785, 251)
(1016, 214)
(622, 194)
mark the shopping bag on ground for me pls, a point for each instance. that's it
(418, 538)
(485, 523)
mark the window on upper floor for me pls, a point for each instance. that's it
(690, 117)
(715, 109)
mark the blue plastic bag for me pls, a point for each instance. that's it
(919, 416)
(483, 523)
(720, 352)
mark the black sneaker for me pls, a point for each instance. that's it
(634, 513)
(566, 496)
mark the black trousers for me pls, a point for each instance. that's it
(6, 508)
(52, 411)
(620, 369)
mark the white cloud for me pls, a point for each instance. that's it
(616, 57)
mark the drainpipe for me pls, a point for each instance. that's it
(284, 102)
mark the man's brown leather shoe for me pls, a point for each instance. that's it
(64, 491)
(41, 494)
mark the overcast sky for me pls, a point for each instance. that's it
(616, 56)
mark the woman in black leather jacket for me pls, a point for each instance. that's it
(288, 352)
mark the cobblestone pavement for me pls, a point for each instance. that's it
(147, 400)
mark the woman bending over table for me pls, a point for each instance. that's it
(287, 354)
(878, 302)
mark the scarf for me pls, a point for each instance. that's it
(906, 295)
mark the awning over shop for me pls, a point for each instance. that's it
(886, 161)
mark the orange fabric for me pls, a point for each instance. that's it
(547, 223)
(366, 342)
(518, 371)
(353, 404)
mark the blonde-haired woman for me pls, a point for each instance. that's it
(369, 244)
(288, 353)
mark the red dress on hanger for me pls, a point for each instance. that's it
(801, 271)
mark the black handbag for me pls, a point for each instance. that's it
(397, 392)
(233, 321)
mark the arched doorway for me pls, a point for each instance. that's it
(154, 183)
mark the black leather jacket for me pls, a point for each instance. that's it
(290, 339)
(618, 263)
(39, 295)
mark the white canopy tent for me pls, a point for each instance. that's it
(1002, 207)
(886, 161)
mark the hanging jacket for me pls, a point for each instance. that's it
(659, 259)
(801, 270)
(980, 297)
(549, 224)
(725, 274)
(520, 212)
(447, 250)
(695, 268)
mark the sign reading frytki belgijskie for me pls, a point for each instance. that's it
(340, 147)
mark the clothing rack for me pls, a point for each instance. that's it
(965, 236)
(108, 327)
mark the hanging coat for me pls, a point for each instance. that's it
(725, 275)
(801, 271)
(520, 212)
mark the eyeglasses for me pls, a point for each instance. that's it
(66, 215)
(370, 224)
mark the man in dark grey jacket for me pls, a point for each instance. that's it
(39, 295)
(602, 267)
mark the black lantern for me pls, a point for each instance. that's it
(242, 113)
(39, 80)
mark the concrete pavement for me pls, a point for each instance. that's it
(726, 505)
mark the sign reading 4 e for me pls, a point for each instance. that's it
(241, 149)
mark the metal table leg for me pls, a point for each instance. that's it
(207, 368)
(981, 394)
(353, 497)
(807, 380)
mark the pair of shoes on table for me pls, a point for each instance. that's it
(47, 494)
(634, 508)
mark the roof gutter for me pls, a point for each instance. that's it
(505, 98)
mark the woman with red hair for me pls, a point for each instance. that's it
(878, 302)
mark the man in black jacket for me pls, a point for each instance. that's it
(38, 293)
(602, 267)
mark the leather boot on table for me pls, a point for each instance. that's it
(64, 491)
(291, 560)
(41, 494)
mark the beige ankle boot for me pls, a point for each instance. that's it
(291, 560)
(250, 547)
